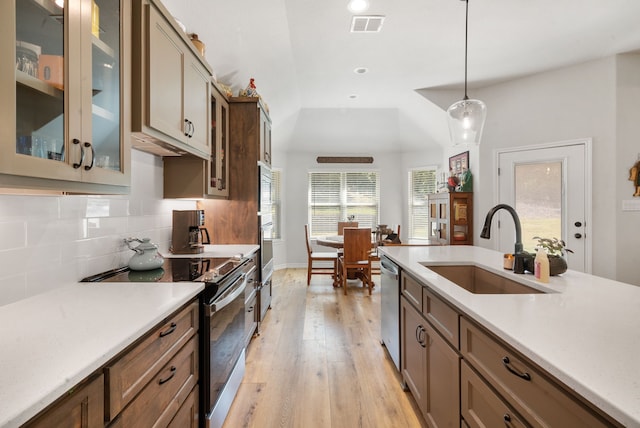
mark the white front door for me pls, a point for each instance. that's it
(549, 186)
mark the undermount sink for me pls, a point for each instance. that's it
(480, 281)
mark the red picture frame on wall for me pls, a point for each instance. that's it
(459, 163)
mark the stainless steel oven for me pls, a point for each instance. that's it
(266, 271)
(223, 347)
(266, 243)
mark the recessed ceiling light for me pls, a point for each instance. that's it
(353, 96)
(357, 6)
(361, 70)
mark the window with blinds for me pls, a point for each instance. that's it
(276, 203)
(334, 196)
(421, 183)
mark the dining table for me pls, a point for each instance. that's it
(333, 241)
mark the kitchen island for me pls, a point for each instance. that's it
(583, 330)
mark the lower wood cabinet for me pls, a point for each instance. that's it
(480, 406)
(149, 383)
(462, 375)
(152, 383)
(83, 407)
(161, 399)
(430, 369)
(527, 388)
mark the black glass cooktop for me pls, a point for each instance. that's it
(174, 270)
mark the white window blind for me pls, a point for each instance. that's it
(276, 203)
(421, 183)
(333, 196)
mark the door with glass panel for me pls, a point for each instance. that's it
(67, 90)
(548, 187)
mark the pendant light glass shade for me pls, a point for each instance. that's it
(466, 117)
(466, 121)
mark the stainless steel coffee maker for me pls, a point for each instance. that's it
(189, 234)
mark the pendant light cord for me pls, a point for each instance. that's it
(466, 32)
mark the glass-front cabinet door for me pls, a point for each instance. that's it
(219, 162)
(66, 109)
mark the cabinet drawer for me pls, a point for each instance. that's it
(412, 290)
(161, 399)
(442, 316)
(129, 374)
(481, 407)
(531, 392)
(187, 416)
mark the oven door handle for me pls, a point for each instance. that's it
(235, 290)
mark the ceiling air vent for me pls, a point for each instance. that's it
(367, 24)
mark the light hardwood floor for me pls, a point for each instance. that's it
(319, 362)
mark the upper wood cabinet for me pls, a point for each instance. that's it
(172, 86)
(193, 177)
(218, 180)
(256, 115)
(451, 218)
(64, 86)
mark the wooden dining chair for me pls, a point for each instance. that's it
(343, 224)
(315, 257)
(356, 256)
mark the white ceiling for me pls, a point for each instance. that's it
(303, 57)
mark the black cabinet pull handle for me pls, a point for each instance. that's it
(250, 309)
(173, 373)
(423, 343)
(171, 329)
(77, 165)
(507, 420)
(186, 127)
(507, 364)
(93, 156)
(193, 129)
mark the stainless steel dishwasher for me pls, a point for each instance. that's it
(390, 308)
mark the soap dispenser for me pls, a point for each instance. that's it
(541, 265)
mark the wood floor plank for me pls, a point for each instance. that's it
(318, 362)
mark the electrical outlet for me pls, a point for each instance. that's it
(631, 205)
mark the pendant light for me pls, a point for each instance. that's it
(466, 117)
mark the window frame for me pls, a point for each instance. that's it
(418, 207)
(338, 198)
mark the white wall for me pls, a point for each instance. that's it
(627, 223)
(291, 250)
(49, 241)
(570, 103)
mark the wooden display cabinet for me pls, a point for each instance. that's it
(451, 218)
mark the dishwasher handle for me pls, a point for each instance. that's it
(389, 270)
(234, 291)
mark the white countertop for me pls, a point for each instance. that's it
(52, 341)
(586, 332)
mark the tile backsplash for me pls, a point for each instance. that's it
(50, 241)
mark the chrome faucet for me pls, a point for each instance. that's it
(522, 260)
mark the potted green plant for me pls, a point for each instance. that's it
(556, 250)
